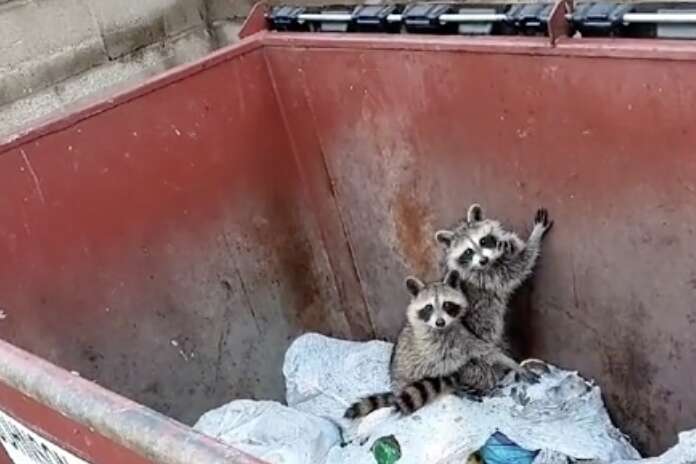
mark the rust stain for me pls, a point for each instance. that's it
(633, 379)
(293, 253)
(413, 231)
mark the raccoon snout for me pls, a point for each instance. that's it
(483, 261)
(440, 322)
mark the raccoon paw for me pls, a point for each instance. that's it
(527, 376)
(506, 247)
(542, 220)
(536, 365)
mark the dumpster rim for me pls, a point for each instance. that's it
(645, 49)
(92, 106)
(109, 414)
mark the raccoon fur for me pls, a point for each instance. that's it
(432, 349)
(493, 263)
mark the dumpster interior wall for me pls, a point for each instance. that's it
(162, 247)
(171, 244)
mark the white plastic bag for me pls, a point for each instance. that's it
(683, 452)
(563, 416)
(563, 413)
(271, 432)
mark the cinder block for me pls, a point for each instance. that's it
(127, 25)
(44, 42)
(228, 9)
(227, 31)
(99, 82)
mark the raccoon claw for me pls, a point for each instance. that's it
(541, 219)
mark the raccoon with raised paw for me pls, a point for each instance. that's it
(432, 349)
(493, 263)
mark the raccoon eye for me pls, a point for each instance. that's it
(452, 309)
(488, 241)
(425, 312)
(466, 256)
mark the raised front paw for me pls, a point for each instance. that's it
(542, 220)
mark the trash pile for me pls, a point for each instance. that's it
(560, 420)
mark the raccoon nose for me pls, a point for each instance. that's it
(440, 322)
(483, 261)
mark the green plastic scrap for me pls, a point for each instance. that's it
(386, 450)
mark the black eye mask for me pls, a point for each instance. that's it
(465, 258)
(425, 312)
(489, 241)
(452, 309)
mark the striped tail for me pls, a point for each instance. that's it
(368, 404)
(419, 393)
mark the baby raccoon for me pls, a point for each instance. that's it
(432, 349)
(493, 263)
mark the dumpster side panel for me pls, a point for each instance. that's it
(321, 191)
(162, 246)
(71, 436)
(49, 414)
(412, 136)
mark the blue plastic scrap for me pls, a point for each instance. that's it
(499, 449)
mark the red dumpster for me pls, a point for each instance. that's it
(166, 244)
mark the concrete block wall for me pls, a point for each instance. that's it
(56, 52)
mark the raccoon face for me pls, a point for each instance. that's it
(473, 247)
(436, 305)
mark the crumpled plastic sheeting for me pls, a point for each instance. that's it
(684, 452)
(271, 431)
(563, 416)
(563, 413)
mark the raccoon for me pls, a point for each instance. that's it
(493, 263)
(432, 349)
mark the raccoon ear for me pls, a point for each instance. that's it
(444, 236)
(474, 214)
(452, 279)
(414, 285)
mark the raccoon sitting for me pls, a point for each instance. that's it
(493, 263)
(432, 349)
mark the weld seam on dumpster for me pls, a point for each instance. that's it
(140, 429)
(339, 210)
(363, 312)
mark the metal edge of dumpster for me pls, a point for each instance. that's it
(111, 97)
(53, 415)
(647, 49)
(102, 427)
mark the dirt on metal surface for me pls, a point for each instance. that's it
(290, 183)
(414, 131)
(159, 226)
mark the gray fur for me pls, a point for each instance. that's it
(490, 286)
(429, 357)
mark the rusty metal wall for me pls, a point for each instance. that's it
(411, 130)
(170, 242)
(161, 243)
